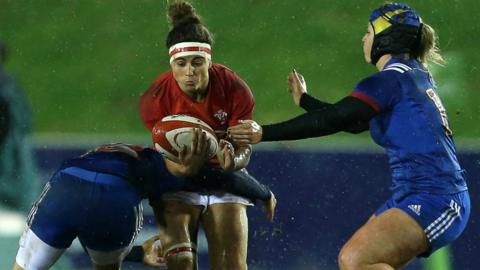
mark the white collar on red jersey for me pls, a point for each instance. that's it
(190, 48)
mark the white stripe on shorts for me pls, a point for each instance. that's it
(33, 211)
(442, 223)
(138, 221)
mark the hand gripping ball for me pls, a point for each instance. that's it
(174, 132)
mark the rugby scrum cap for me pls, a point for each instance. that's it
(397, 30)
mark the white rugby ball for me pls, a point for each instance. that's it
(174, 132)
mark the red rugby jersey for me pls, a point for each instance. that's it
(228, 100)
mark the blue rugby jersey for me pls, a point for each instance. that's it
(147, 174)
(412, 126)
(150, 177)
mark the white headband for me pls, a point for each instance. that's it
(189, 48)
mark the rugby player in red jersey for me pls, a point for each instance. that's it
(198, 87)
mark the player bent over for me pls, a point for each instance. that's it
(97, 198)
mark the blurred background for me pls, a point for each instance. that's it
(84, 64)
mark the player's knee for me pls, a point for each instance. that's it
(235, 262)
(228, 258)
(349, 258)
(181, 256)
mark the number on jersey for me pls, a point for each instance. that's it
(443, 113)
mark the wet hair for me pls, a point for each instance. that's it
(186, 25)
(426, 49)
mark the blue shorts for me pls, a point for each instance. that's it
(442, 217)
(102, 210)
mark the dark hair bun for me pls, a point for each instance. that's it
(186, 25)
(181, 13)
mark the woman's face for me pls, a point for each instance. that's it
(367, 43)
(191, 73)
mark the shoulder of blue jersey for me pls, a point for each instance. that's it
(398, 67)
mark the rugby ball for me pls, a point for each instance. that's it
(174, 132)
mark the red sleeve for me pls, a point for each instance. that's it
(151, 109)
(242, 101)
(367, 99)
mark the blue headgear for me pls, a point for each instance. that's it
(397, 30)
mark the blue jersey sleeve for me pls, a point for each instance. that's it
(381, 91)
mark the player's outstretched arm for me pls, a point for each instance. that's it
(298, 89)
(240, 183)
(237, 182)
(345, 113)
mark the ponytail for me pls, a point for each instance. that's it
(427, 49)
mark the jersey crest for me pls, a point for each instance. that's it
(221, 115)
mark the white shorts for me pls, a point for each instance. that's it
(206, 199)
(34, 254)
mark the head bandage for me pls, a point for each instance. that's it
(190, 48)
